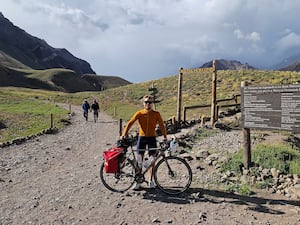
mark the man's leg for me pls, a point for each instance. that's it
(152, 153)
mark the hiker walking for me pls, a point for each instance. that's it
(85, 108)
(95, 108)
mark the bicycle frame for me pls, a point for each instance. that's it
(140, 172)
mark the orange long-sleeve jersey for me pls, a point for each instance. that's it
(147, 121)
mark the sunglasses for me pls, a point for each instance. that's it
(148, 102)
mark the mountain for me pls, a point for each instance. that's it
(287, 62)
(36, 53)
(27, 61)
(6, 60)
(223, 64)
(57, 79)
(292, 67)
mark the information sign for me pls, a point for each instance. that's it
(271, 107)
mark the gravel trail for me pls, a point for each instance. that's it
(54, 179)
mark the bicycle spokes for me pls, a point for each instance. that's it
(172, 175)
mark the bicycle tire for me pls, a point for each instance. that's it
(172, 175)
(120, 181)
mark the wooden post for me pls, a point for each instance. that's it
(51, 120)
(179, 95)
(217, 112)
(184, 114)
(153, 95)
(70, 109)
(120, 127)
(213, 94)
(246, 141)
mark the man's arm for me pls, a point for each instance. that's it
(162, 126)
(129, 124)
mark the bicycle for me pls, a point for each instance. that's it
(172, 174)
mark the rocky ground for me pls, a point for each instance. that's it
(54, 179)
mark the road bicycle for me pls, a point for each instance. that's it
(172, 174)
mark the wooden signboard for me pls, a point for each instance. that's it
(271, 107)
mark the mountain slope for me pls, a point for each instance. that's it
(293, 67)
(27, 61)
(6, 60)
(57, 79)
(36, 53)
(223, 64)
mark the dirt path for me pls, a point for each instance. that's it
(54, 179)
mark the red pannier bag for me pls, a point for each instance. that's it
(111, 159)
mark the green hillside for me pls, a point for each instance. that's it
(6, 60)
(56, 79)
(123, 101)
(196, 90)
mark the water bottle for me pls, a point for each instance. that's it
(173, 145)
(139, 160)
(148, 162)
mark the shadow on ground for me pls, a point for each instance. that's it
(254, 203)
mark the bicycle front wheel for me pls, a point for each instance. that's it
(172, 175)
(120, 181)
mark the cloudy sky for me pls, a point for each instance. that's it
(142, 40)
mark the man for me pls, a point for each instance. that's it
(85, 108)
(147, 120)
(95, 108)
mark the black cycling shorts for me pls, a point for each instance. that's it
(146, 143)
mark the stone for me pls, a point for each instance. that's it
(274, 173)
(297, 190)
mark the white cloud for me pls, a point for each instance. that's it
(291, 40)
(142, 39)
(253, 36)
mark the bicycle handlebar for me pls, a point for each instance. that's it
(164, 145)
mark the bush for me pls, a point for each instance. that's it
(282, 157)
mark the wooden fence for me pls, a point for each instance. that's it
(234, 98)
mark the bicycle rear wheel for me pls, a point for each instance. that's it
(172, 175)
(120, 181)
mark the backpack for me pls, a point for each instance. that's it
(112, 158)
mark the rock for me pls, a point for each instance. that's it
(202, 154)
(296, 190)
(202, 216)
(211, 158)
(296, 179)
(275, 173)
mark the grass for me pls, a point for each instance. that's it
(280, 156)
(25, 114)
(196, 90)
(123, 101)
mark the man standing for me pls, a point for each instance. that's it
(147, 120)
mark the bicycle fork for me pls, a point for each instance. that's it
(170, 171)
